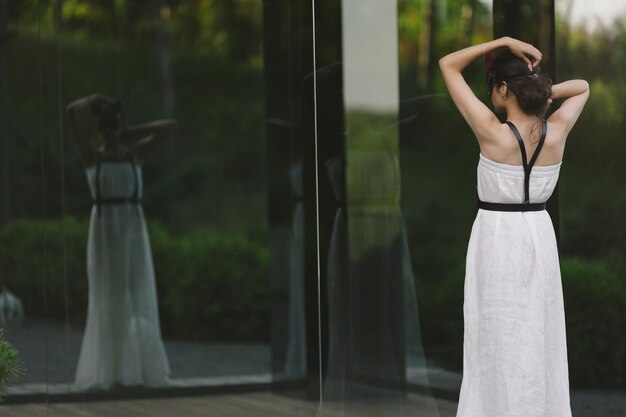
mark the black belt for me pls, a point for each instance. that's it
(510, 206)
(116, 200)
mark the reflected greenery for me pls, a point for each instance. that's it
(211, 282)
(212, 279)
(595, 299)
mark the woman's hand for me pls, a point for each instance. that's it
(523, 50)
(92, 101)
(97, 101)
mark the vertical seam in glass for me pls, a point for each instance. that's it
(43, 205)
(317, 213)
(62, 163)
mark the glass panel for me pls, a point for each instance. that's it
(29, 241)
(159, 246)
(438, 156)
(591, 45)
(397, 248)
(205, 198)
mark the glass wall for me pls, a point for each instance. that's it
(263, 207)
(135, 213)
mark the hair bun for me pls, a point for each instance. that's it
(532, 88)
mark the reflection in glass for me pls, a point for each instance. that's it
(11, 309)
(207, 211)
(339, 300)
(374, 334)
(122, 340)
(295, 365)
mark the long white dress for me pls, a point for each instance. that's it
(122, 340)
(514, 351)
(295, 363)
(374, 327)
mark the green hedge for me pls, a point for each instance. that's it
(212, 284)
(32, 266)
(595, 301)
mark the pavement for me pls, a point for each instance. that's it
(57, 363)
(215, 364)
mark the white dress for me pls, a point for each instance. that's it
(122, 340)
(371, 297)
(295, 364)
(514, 350)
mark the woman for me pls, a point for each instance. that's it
(122, 342)
(514, 350)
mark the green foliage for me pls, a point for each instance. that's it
(10, 364)
(34, 264)
(606, 105)
(212, 283)
(210, 169)
(595, 301)
(442, 318)
(226, 28)
(211, 174)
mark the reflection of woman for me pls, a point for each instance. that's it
(295, 365)
(515, 353)
(122, 341)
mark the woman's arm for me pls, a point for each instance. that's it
(142, 137)
(575, 93)
(155, 127)
(479, 117)
(83, 123)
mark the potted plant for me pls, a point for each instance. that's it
(10, 364)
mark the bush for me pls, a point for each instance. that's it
(442, 320)
(33, 265)
(595, 301)
(10, 364)
(211, 284)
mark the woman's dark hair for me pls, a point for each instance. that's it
(110, 115)
(531, 88)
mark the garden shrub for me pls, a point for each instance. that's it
(32, 265)
(595, 301)
(10, 364)
(442, 319)
(211, 284)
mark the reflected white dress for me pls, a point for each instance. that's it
(122, 341)
(369, 254)
(295, 364)
(515, 353)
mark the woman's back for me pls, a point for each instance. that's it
(504, 148)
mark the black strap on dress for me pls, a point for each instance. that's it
(526, 205)
(98, 201)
